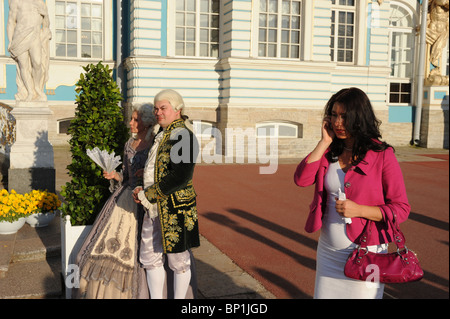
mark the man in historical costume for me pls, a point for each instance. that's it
(170, 226)
(29, 34)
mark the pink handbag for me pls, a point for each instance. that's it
(396, 267)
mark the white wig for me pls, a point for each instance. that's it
(145, 112)
(172, 96)
(147, 116)
(176, 101)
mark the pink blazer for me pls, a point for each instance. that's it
(376, 181)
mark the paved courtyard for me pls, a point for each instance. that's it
(252, 226)
(258, 221)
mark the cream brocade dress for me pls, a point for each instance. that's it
(108, 259)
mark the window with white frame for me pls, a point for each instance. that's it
(197, 28)
(277, 129)
(343, 35)
(279, 28)
(79, 29)
(399, 92)
(63, 126)
(401, 33)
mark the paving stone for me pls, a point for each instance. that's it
(37, 279)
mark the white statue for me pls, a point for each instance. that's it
(437, 35)
(29, 37)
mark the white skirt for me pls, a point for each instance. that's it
(333, 249)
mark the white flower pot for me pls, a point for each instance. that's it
(40, 219)
(72, 238)
(7, 228)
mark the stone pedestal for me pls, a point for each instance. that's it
(434, 127)
(31, 157)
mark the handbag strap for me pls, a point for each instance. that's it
(399, 238)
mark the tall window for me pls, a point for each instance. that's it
(79, 29)
(343, 30)
(279, 28)
(197, 28)
(401, 54)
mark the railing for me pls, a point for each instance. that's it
(7, 128)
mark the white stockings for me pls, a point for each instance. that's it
(181, 284)
(156, 278)
(155, 281)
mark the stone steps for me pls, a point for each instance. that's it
(30, 263)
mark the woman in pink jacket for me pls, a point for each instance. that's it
(357, 178)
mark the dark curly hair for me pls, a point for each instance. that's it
(360, 122)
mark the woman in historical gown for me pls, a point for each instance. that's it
(108, 260)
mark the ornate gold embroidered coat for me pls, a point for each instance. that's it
(173, 190)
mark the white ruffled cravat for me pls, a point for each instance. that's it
(149, 176)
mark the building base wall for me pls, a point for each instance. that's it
(434, 129)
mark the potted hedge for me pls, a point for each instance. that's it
(98, 122)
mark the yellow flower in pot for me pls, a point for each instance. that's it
(14, 210)
(44, 205)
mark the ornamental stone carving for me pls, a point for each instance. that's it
(436, 38)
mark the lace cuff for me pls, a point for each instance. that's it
(147, 205)
(114, 185)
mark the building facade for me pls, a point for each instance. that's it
(256, 68)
